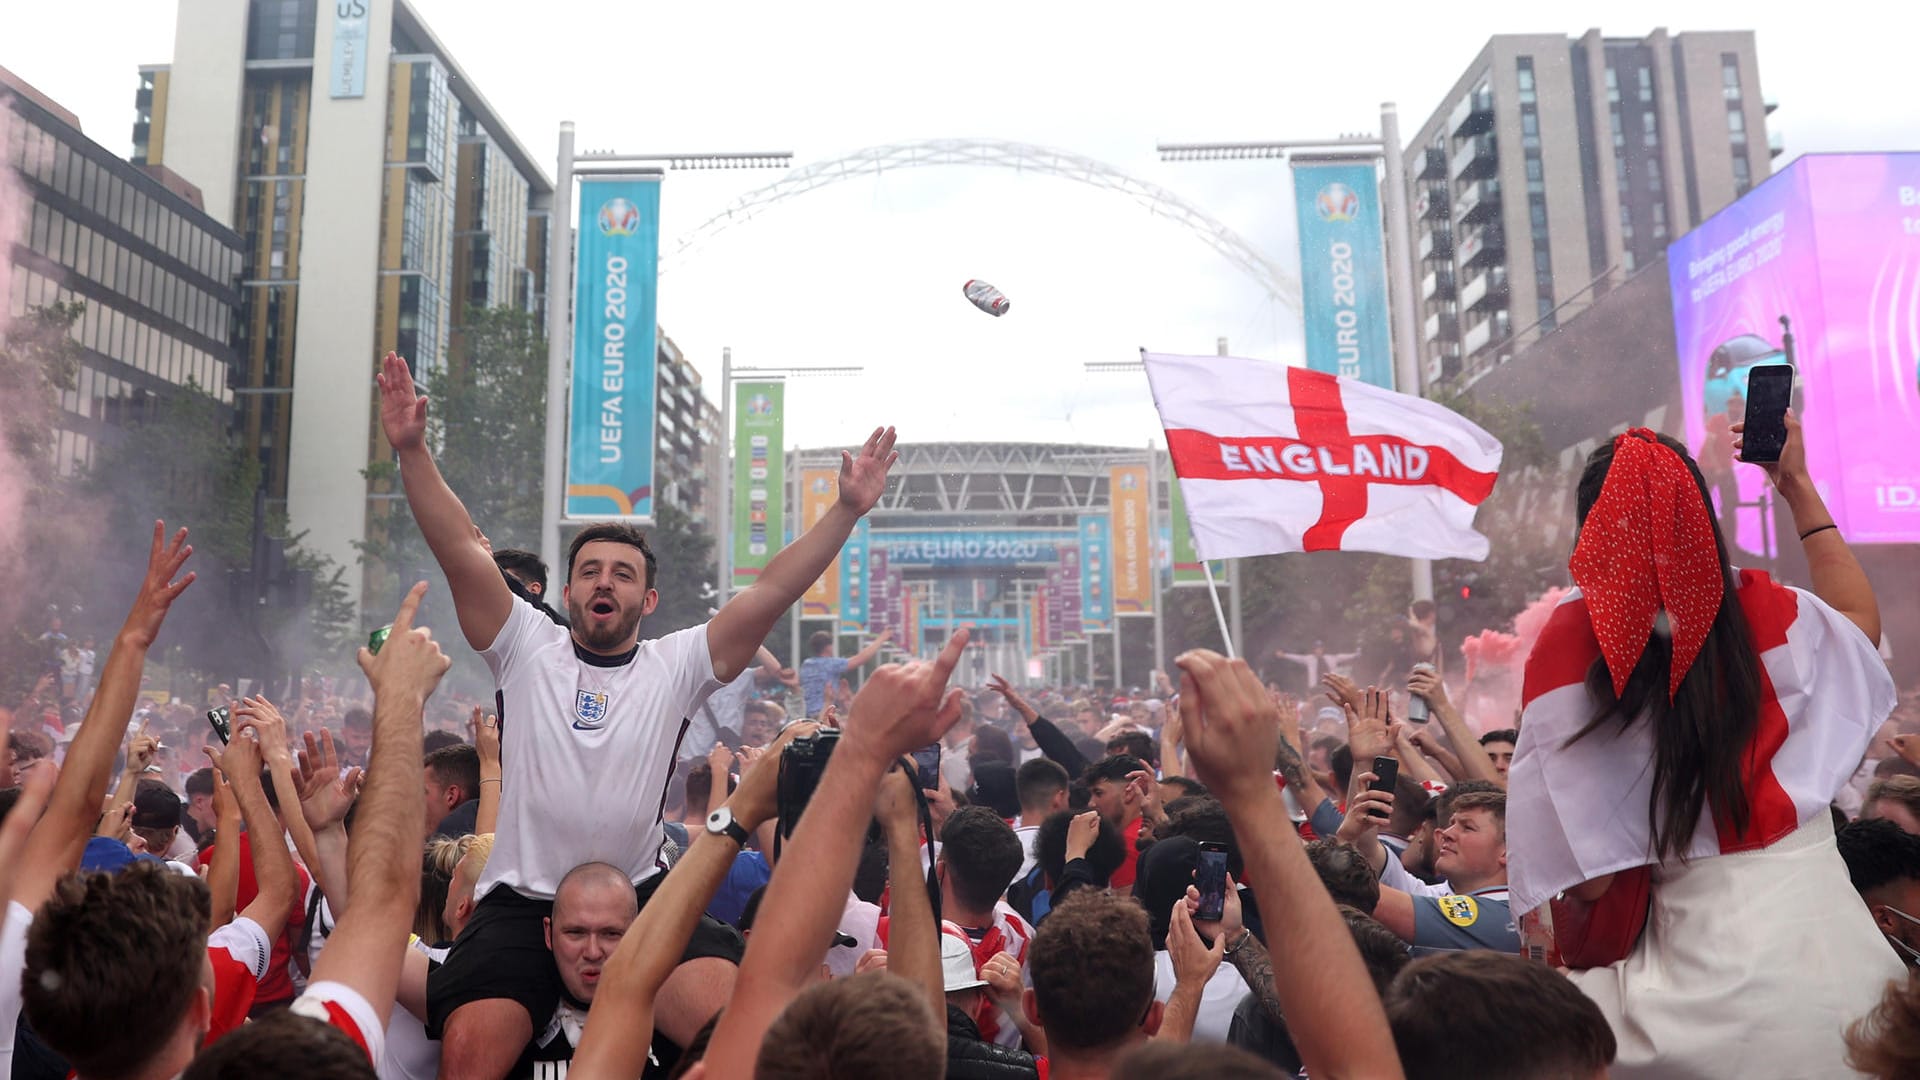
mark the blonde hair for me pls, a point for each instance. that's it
(474, 857)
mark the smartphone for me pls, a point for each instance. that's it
(926, 762)
(1386, 773)
(1211, 879)
(1769, 393)
(222, 721)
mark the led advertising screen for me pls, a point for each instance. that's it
(1832, 243)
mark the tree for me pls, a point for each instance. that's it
(38, 361)
(686, 574)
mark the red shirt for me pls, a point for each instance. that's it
(277, 984)
(1130, 837)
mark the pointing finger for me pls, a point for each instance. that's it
(403, 621)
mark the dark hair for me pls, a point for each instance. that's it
(1494, 802)
(1114, 769)
(1345, 873)
(618, 532)
(982, 855)
(1092, 967)
(112, 964)
(523, 564)
(1161, 1060)
(1038, 781)
(991, 744)
(1410, 805)
(155, 806)
(1878, 853)
(869, 1027)
(1103, 858)
(820, 643)
(751, 909)
(1137, 744)
(994, 787)
(1505, 735)
(1479, 1015)
(438, 740)
(458, 766)
(700, 785)
(356, 719)
(1700, 738)
(1383, 952)
(282, 1043)
(1188, 786)
(1443, 804)
(199, 782)
(8, 796)
(1422, 608)
(1203, 819)
(1340, 761)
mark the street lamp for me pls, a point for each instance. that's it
(560, 295)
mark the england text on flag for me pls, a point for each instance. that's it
(1274, 459)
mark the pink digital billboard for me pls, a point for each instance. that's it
(1832, 243)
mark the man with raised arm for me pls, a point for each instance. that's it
(592, 720)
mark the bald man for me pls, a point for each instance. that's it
(592, 909)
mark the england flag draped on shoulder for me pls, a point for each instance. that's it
(1274, 459)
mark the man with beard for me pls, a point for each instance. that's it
(591, 724)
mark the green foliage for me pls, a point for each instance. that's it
(686, 573)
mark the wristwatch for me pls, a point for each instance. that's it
(721, 823)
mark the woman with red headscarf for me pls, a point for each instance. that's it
(1686, 726)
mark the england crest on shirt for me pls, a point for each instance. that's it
(589, 710)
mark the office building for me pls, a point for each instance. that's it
(158, 276)
(379, 196)
(684, 430)
(1556, 168)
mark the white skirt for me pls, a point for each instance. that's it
(1752, 965)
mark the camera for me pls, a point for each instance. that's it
(802, 764)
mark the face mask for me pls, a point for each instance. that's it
(1912, 954)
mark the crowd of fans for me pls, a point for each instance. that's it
(607, 871)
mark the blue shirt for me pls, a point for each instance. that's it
(1476, 921)
(749, 872)
(816, 674)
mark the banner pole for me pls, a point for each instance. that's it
(1213, 593)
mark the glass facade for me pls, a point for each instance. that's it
(156, 277)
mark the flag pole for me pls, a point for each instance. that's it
(1213, 592)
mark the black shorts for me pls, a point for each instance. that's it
(503, 954)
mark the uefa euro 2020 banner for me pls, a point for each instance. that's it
(1832, 242)
(610, 436)
(1343, 270)
(759, 477)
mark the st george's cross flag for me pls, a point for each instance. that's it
(1274, 459)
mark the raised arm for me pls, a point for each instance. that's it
(278, 885)
(736, 633)
(223, 868)
(486, 740)
(1052, 742)
(1232, 729)
(619, 1028)
(481, 598)
(1837, 576)
(73, 811)
(326, 794)
(139, 755)
(900, 708)
(369, 943)
(259, 715)
(913, 938)
(1472, 757)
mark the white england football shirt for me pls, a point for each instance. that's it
(585, 750)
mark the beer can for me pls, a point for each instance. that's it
(378, 638)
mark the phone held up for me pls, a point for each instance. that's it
(221, 720)
(1386, 773)
(926, 763)
(1211, 879)
(1769, 394)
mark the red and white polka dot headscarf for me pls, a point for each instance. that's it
(1647, 546)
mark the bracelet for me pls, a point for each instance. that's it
(1817, 529)
(491, 780)
(1245, 936)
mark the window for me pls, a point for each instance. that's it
(1742, 175)
(1646, 83)
(1613, 85)
(1736, 121)
(1730, 75)
(1524, 72)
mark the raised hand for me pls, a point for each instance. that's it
(756, 800)
(403, 411)
(410, 663)
(326, 793)
(140, 753)
(1366, 814)
(863, 479)
(895, 802)
(1791, 469)
(905, 706)
(1082, 831)
(1002, 974)
(1341, 690)
(484, 727)
(1368, 731)
(158, 589)
(1429, 685)
(259, 715)
(1232, 727)
(1194, 961)
(116, 822)
(999, 685)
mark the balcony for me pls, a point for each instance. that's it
(1478, 201)
(1436, 243)
(1438, 284)
(1487, 332)
(1430, 202)
(1435, 165)
(1775, 144)
(1475, 158)
(1486, 290)
(1474, 114)
(1483, 246)
(1769, 104)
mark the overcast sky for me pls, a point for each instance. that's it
(868, 271)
